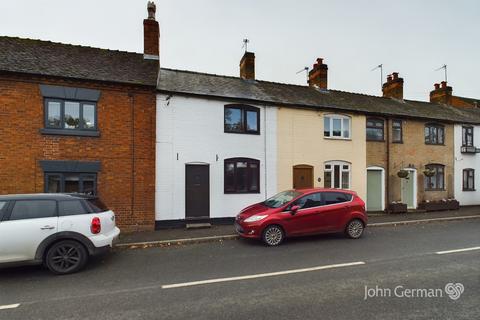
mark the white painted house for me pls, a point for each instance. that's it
(467, 164)
(213, 157)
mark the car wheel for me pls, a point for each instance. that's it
(354, 229)
(273, 235)
(66, 257)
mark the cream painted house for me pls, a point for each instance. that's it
(321, 149)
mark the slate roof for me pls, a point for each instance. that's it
(194, 83)
(70, 61)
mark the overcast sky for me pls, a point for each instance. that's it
(412, 37)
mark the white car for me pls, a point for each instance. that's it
(59, 230)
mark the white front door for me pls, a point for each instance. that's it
(409, 189)
(29, 223)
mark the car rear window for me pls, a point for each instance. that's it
(96, 205)
(71, 208)
(336, 197)
(33, 209)
(3, 206)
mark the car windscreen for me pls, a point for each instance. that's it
(281, 198)
(96, 205)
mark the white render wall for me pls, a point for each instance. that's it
(465, 161)
(193, 128)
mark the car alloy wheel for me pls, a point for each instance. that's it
(273, 235)
(66, 257)
(355, 229)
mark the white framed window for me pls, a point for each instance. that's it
(337, 174)
(336, 126)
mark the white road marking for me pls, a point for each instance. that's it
(9, 306)
(458, 250)
(261, 275)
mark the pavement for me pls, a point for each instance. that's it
(181, 236)
(321, 277)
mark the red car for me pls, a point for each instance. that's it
(303, 212)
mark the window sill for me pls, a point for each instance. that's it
(435, 144)
(250, 192)
(435, 190)
(373, 140)
(397, 142)
(469, 190)
(337, 138)
(246, 132)
(66, 132)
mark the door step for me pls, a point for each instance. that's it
(198, 225)
(416, 211)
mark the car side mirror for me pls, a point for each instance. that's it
(294, 209)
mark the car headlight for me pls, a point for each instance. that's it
(255, 218)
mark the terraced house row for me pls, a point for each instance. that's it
(163, 147)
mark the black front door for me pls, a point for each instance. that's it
(197, 191)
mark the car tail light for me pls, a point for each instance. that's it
(96, 225)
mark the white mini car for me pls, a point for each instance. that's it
(59, 230)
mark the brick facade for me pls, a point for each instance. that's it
(125, 147)
(414, 153)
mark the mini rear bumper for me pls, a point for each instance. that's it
(107, 239)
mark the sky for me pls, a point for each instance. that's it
(411, 37)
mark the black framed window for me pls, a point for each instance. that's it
(71, 183)
(434, 134)
(70, 115)
(241, 119)
(375, 129)
(242, 175)
(437, 181)
(468, 179)
(467, 136)
(397, 131)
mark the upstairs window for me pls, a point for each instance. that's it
(242, 175)
(70, 115)
(337, 175)
(434, 134)
(397, 131)
(336, 126)
(437, 181)
(468, 180)
(375, 128)
(241, 119)
(467, 136)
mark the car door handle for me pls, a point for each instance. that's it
(47, 228)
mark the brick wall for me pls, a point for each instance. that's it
(126, 182)
(414, 151)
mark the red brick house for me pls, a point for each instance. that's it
(81, 119)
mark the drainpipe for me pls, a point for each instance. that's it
(132, 103)
(265, 148)
(387, 169)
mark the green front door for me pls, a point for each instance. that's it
(408, 190)
(374, 190)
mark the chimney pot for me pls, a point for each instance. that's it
(319, 60)
(151, 34)
(437, 86)
(395, 75)
(444, 84)
(151, 8)
(389, 78)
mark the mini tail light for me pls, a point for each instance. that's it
(96, 225)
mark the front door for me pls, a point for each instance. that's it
(408, 189)
(302, 177)
(374, 190)
(197, 191)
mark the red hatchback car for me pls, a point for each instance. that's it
(303, 212)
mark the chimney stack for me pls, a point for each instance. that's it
(442, 93)
(247, 66)
(151, 34)
(393, 88)
(317, 77)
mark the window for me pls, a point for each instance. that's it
(468, 180)
(434, 134)
(336, 126)
(437, 181)
(335, 197)
(33, 209)
(71, 183)
(3, 206)
(241, 119)
(337, 175)
(71, 208)
(375, 129)
(242, 175)
(397, 131)
(467, 136)
(70, 115)
(309, 201)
